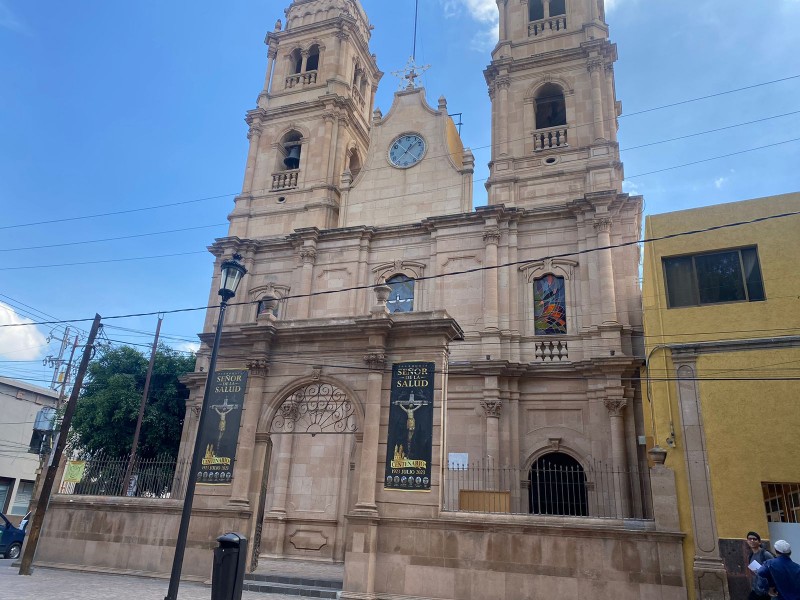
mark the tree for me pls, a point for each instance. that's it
(105, 418)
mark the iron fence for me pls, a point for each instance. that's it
(599, 490)
(105, 476)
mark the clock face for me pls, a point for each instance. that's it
(407, 150)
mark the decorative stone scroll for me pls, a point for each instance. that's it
(492, 408)
(316, 408)
(615, 406)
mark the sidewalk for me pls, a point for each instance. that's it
(66, 585)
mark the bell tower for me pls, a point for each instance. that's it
(311, 122)
(554, 110)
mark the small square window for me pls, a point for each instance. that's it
(713, 278)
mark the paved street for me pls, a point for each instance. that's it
(57, 583)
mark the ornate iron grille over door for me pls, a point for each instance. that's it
(316, 408)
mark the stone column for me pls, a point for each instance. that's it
(710, 579)
(283, 467)
(329, 119)
(254, 135)
(303, 60)
(612, 123)
(501, 8)
(546, 5)
(243, 468)
(615, 403)
(491, 237)
(502, 83)
(341, 38)
(308, 256)
(492, 406)
(376, 361)
(608, 294)
(263, 97)
(595, 68)
(514, 454)
(334, 141)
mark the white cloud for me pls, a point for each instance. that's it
(189, 346)
(630, 187)
(9, 21)
(482, 11)
(719, 182)
(19, 343)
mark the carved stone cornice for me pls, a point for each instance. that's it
(492, 408)
(615, 406)
(258, 367)
(376, 361)
(602, 224)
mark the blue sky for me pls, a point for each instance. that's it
(109, 106)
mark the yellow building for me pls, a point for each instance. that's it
(722, 327)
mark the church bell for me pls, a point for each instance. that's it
(293, 160)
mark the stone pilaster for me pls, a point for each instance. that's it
(709, 577)
(596, 69)
(254, 135)
(251, 410)
(602, 226)
(308, 256)
(615, 403)
(376, 361)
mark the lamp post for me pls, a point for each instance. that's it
(232, 273)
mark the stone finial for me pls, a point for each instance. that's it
(266, 309)
(442, 104)
(382, 292)
(377, 115)
(278, 25)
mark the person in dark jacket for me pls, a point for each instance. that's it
(759, 587)
(782, 573)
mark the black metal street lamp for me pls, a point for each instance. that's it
(231, 276)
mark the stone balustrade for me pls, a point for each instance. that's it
(551, 24)
(301, 79)
(551, 351)
(285, 180)
(552, 137)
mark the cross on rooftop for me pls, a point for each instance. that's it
(410, 73)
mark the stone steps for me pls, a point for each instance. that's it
(302, 587)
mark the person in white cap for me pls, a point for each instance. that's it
(782, 573)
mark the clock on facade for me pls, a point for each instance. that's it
(407, 150)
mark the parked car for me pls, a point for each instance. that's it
(11, 537)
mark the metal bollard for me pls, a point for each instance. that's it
(227, 576)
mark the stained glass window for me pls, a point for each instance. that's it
(549, 305)
(401, 298)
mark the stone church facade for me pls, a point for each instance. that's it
(363, 251)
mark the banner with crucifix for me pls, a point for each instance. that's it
(220, 434)
(409, 443)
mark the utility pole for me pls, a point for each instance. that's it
(128, 471)
(47, 487)
(57, 362)
(64, 383)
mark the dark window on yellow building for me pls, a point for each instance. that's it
(713, 278)
(782, 502)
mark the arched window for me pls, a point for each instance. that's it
(401, 298)
(549, 305)
(354, 163)
(291, 147)
(558, 486)
(551, 110)
(558, 7)
(312, 62)
(296, 59)
(535, 10)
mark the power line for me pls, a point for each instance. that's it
(219, 196)
(444, 275)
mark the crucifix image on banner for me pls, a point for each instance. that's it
(409, 443)
(220, 435)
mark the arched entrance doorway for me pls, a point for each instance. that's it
(312, 456)
(558, 486)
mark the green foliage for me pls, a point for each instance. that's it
(105, 418)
